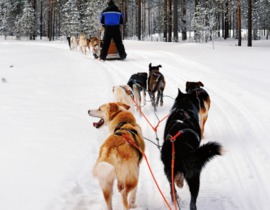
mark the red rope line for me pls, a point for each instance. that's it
(149, 167)
(139, 108)
(161, 121)
(172, 139)
(172, 174)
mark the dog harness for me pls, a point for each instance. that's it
(172, 139)
(129, 92)
(136, 82)
(156, 74)
(133, 132)
(182, 131)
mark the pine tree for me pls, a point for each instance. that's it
(204, 21)
(71, 22)
(91, 21)
(184, 19)
(27, 21)
(9, 9)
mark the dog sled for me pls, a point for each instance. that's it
(96, 43)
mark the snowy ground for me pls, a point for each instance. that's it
(48, 145)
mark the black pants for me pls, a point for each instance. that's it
(112, 32)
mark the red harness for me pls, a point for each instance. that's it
(172, 139)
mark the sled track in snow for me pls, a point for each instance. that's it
(223, 125)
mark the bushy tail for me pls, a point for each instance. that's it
(207, 152)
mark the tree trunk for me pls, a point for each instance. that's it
(41, 19)
(53, 19)
(249, 23)
(50, 20)
(184, 20)
(169, 20)
(143, 20)
(239, 23)
(149, 19)
(207, 22)
(175, 20)
(139, 19)
(226, 26)
(124, 12)
(165, 21)
(196, 36)
(34, 4)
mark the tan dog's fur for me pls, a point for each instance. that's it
(123, 93)
(204, 101)
(73, 43)
(118, 159)
(94, 43)
(83, 43)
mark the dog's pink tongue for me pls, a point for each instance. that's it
(98, 124)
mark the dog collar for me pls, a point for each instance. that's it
(119, 126)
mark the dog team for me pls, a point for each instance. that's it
(122, 151)
(83, 43)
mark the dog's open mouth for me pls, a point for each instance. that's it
(99, 123)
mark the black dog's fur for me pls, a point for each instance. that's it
(202, 94)
(138, 84)
(139, 79)
(156, 83)
(204, 98)
(190, 157)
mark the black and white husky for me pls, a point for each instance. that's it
(138, 84)
(189, 156)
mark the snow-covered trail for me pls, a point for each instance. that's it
(50, 146)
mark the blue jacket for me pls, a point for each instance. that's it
(111, 16)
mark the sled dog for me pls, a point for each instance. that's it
(156, 83)
(189, 157)
(118, 159)
(73, 43)
(94, 44)
(124, 94)
(138, 84)
(204, 101)
(83, 43)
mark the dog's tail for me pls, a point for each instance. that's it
(207, 152)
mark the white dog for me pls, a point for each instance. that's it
(73, 43)
(123, 93)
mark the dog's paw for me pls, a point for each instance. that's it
(132, 206)
(179, 180)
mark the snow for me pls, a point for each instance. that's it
(48, 145)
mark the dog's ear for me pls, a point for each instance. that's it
(150, 66)
(201, 84)
(123, 105)
(179, 96)
(179, 93)
(159, 66)
(187, 86)
(113, 107)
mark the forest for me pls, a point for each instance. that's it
(155, 20)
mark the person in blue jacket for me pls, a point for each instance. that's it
(111, 18)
